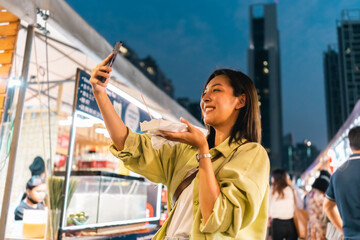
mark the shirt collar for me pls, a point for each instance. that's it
(225, 149)
(354, 156)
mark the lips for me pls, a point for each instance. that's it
(209, 109)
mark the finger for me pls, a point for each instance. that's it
(94, 78)
(105, 68)
(106, 60)
(103, 84)
(183, 120)
(173, 136)
(102, 74)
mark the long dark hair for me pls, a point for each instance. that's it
(280, 182)
(248, 124)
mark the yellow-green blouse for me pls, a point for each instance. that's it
(240, 211)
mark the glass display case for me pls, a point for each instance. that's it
(104, 199)
(93, 196)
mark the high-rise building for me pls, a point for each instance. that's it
(348, 29)
(192, 107)
(298, 157)
(288, 153)
(264, 69)
(150, 69)
(304, 154)
(333, 96)
(342, 71)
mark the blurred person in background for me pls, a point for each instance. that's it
(342, 202)
(35, 195)
(314, 202)
(281, 207)
(299, 193)
(37, 167)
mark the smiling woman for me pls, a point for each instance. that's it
(226, 172)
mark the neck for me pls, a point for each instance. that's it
(356, 151)
(221, 135)
(31, 202)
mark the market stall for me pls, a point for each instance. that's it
(48, 114)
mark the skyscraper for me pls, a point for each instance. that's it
(264, 69)
(342, 71)
(348, 29)
(333, 97)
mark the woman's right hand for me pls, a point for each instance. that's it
(100, 70)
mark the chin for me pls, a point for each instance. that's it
(208, 121)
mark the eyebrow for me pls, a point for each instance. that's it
(216, 84)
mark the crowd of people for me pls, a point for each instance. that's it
(332, 204)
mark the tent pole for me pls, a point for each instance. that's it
(16, 133)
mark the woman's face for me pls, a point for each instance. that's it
(219, 105)
(38, 193)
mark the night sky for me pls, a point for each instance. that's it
(190, 39)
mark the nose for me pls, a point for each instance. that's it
(206, 97)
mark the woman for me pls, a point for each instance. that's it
(314, 206)
(281, 207)
(228, 197)
(35, 195)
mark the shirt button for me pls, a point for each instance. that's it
(196, 202)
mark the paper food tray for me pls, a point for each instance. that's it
(160, 124)
(155, 125)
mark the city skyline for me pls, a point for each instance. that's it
(190, 39)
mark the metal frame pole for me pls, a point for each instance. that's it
(16, 133)
(64, 195)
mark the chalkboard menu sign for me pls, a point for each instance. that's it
(85, 102)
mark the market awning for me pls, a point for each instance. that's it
(82, 39)
(9, 28)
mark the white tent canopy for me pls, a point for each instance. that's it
(72, 44)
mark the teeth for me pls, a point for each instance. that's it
(209, 109)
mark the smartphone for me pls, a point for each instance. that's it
(112, 59)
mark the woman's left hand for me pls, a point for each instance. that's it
(193, 136)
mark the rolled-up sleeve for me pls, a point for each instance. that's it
(139, 156)
(243, 185)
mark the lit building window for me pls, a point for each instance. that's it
(123, 50)
(348, 51)
(266, 70)
(266, 91)
(142, 64)
(265, 63)
(150, 70)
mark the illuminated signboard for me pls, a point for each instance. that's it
(85, 102)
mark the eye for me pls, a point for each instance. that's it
(216, 90)
(204, 92)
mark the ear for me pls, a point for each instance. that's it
(241, 101)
